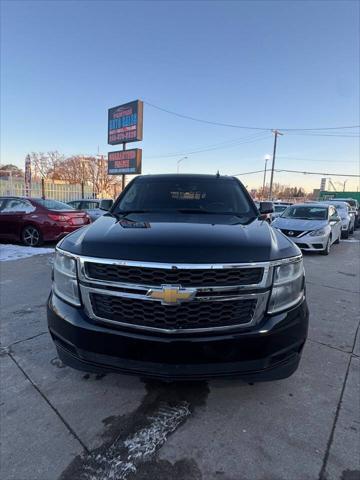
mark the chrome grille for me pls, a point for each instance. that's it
(293, 233)
(192, 315)
(227, 296)
(184, 277)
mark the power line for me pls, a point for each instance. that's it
(299, 171)
(251, 139)
(319, 173)
(230, 125)
(282, 157)
(325, 135)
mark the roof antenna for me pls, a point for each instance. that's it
(217, 174)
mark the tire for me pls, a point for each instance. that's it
(31, 236)
(326, 250)
(345, 233)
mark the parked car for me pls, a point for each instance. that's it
(347, 216)
(313, 227)
(180, 280)
(34, 220)
(94, 207)
(355, 208)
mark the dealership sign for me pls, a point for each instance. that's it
(125, 162)
(125, 123)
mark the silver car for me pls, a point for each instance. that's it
(347, 216)
(312, 226)
(94, 207)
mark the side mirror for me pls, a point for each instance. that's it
(266, 207)
(106, 204)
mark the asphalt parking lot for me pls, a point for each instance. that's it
(58, 423)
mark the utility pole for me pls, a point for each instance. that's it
(266, 158)
(276, 133)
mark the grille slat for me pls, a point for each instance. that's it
(184, 316)
(184, 277)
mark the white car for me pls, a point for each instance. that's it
(347, 216)
(313, 227)
(94, 207)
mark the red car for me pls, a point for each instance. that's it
(34, 220)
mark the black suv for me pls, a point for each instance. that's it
(181, 279)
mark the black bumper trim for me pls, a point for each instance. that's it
(270, 351)
(177, 373)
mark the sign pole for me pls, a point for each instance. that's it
(123, 175)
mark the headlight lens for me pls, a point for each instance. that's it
(315, 233)
(65, 279)
(288, 286)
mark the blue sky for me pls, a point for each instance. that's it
(272, 64)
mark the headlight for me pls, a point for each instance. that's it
(65, 279)
(288, 286)
(316, 233)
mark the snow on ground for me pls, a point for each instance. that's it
(16, 252)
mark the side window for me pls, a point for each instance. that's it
(75, 205)
(15, 205)
(333, 213)
(89, 205)
(2, 204)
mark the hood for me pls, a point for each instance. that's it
(298, 224)
(181, 239)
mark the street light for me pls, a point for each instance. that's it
(179, 161)
(266, 158)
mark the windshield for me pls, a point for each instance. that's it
(54, 204)
(186, 195)
(280, 208)
(306, 212)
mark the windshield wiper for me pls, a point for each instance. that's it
(122, 214)
(193, 210)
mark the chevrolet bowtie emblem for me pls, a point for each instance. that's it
(172, 294)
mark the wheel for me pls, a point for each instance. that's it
(326, 250)
(345, 233)
(31, 236)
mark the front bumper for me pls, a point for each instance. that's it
(311, 244)
(270, 351)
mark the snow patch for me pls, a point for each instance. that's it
(16, 252)
(140, 446)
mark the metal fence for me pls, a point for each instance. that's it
(57, 191)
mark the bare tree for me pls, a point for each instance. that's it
(44, 164)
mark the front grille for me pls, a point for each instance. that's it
(194, 314)
(184, 277)
(295, 233)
